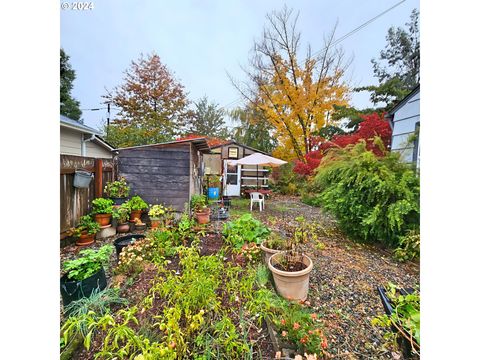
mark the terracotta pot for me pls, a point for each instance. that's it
(268, 252)
(85, 239)
(202, 217)
(292, 285)
(103, 219)
(155, 222)
(123, 228)
(135, 214)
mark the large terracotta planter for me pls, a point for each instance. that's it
(203, 216)
(85, 239)
(123, 228)
(103, 219)
(135, 214)
(268, 252)
(291, 285)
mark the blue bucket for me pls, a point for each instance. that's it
(213, 193)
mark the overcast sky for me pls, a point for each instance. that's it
(200, 41)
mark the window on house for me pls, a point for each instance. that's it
(233, 152)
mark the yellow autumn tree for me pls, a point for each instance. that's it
(295, 96)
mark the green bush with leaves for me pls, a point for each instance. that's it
(287, 182)
(244, 229)
(86, 224)
(121, 213)
(137, 203)
(198, 202)
(102, 206)
(117, 189)
(373, 198)
(409, 248)
(89, 262)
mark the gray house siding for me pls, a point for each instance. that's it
(160, 175)
(406, 118)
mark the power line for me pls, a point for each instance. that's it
(340, 39)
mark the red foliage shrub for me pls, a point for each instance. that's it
(372, 125)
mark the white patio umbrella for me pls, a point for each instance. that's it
(258, 160)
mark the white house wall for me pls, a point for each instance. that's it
(404, 121)
(70, 142)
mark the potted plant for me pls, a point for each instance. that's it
(85, 231)
(291, 268)
(272, 245)
(139, 225)
(136, 205)
(156, 213)
(121, 214)
(85, 274)
(198, 203)
(102, 209)
(118, 191)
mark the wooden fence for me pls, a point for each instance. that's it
(75, 202)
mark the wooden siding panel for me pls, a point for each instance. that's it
(160, 175)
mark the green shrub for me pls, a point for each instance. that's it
(288, 182)
(102, 206)
(409, 248)
(244, 229)
(121, 213)
(88, 263)
(118, 189)
(198, 202)
(86, 224)
(137, 203)
(373, 198)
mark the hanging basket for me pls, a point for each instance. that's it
(82, 179)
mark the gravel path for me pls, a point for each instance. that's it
(344, 280)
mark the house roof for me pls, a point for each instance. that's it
(77, 125)
(200, 143)
(237, 143)
(404, 100)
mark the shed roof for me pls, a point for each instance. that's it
(237, 143)
(199, 143)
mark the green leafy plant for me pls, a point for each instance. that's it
(198, 202)
(409, 248)
(373, 198)
(86, 224)
(157, 211)
(117, 189)
(405, 318)
(275, 241)
(121, 213)
(102, 206)
(89, 262)
(99, 302)
(244, 229)
(137, 203)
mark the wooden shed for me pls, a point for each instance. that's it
(236, 178)
(166, 173)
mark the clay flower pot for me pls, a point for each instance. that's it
(103, 219)
(135, 214)
(123, 228)
(268, 252)
(292, 285)
(203, 216)
(85, 239)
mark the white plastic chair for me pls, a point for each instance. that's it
(256, 197)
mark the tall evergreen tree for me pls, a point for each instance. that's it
(68, 105)
(208, 120)
(402, 71)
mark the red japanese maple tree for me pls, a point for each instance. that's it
(373, 125)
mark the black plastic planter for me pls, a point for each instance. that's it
(404, 345)
(72, 290)
(123, 241)
(118, 200)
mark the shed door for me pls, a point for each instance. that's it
(232, 179)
